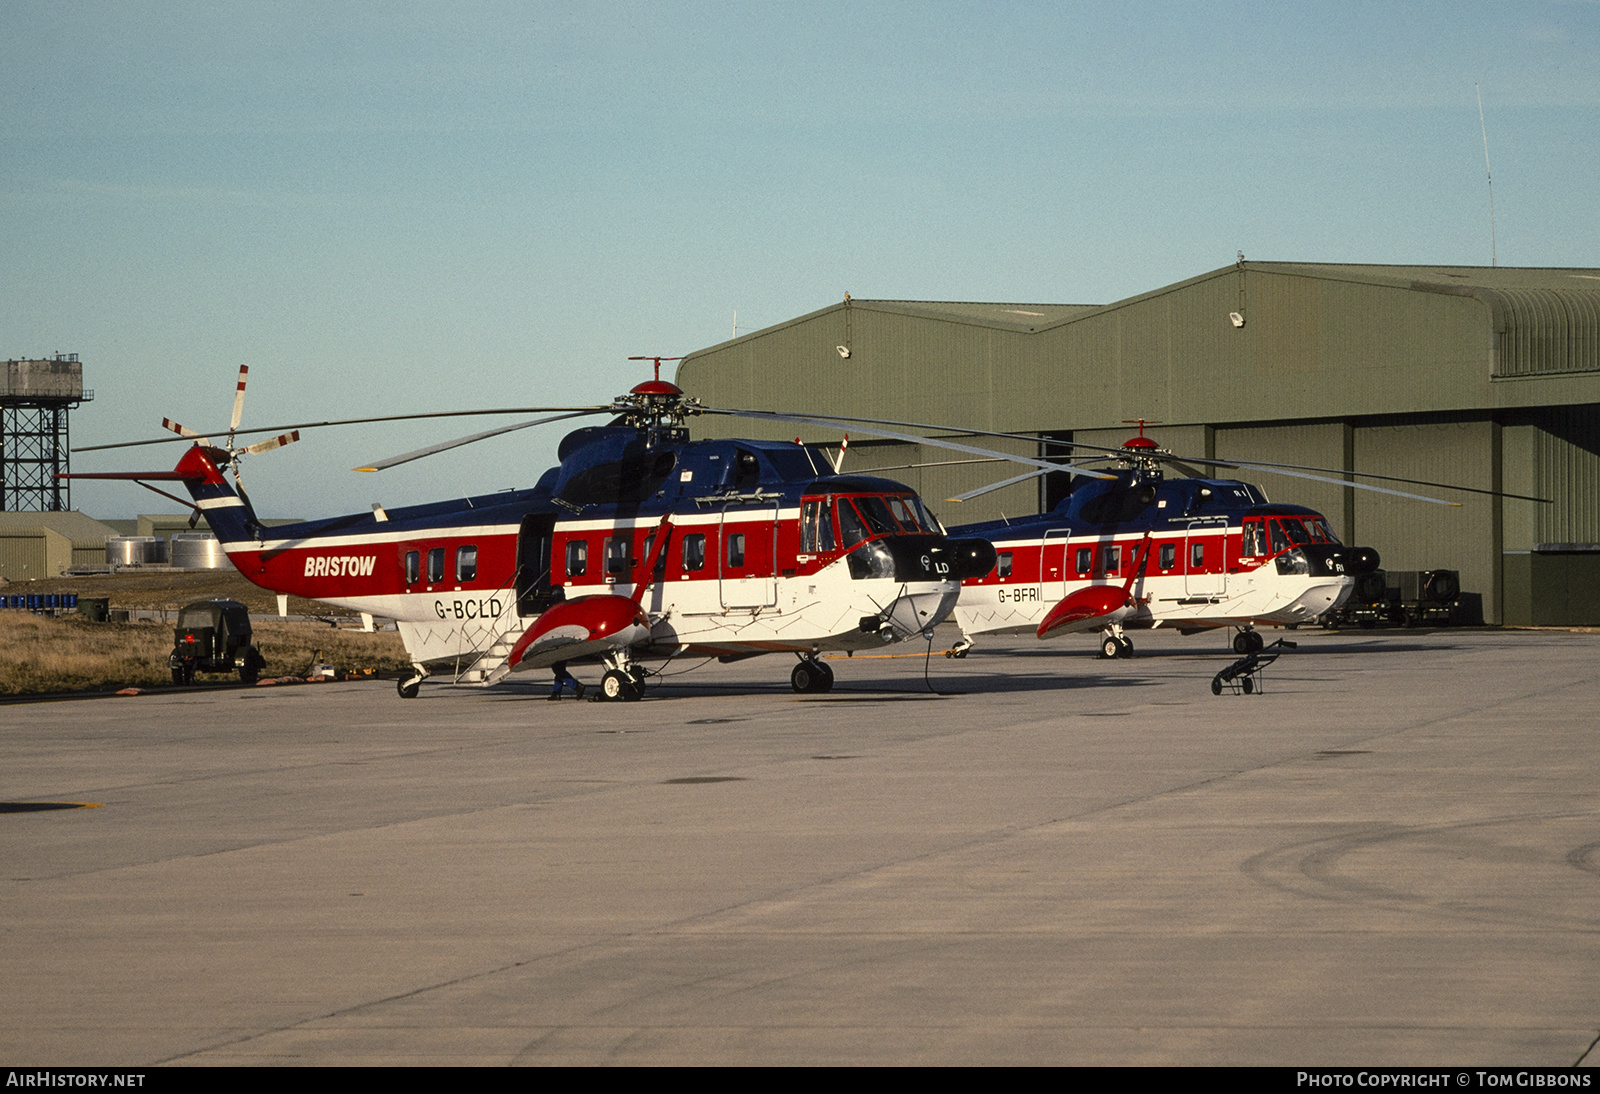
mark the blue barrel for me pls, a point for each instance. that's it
(49, 600)
(35, 601)
(69, 600)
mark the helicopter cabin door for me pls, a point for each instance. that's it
(533, 563)
(747, 557)
(1053, 562)
(1205, 565)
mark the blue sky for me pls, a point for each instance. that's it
(405, 207)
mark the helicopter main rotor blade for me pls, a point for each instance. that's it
(831, 423)
(1182, 463)
(1346, 482)
(357, 421)
(1024, 477)
(434, 449)
(1388, 478)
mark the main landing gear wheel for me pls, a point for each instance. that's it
(811, 678)
(1248, 642)
(616, 684)
(1112, 646)
(408, 688)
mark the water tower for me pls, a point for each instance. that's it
(34, 399)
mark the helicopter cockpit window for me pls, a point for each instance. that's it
(1280, 542)
(436, 565)
(1320, 532)
(577, 557)
(1295, 530)
(907, 515)
(850, 526)
(876, 513)
(1255, 538)
(466, 563)
(694, 552)
(1002, 564)
(816, 528)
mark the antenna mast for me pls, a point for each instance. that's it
(1487, 174)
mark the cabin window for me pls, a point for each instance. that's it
(413, 567)
(1085, 559)
(735, 544)
(619, 556)
(694, 552)
(1002, 564)
(1169, 555)
(577, 557)
(1113, 559)
(816, 528)
(1197, 556)
(466, 563)
(435, 565)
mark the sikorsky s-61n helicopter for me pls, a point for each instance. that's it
(642, 545)
(1139, 551)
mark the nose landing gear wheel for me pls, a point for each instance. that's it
(1112, 646)
(811, 678)
(621, 685)
(1248, 642)
(408, 688)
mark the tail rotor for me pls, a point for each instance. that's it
(234, 455)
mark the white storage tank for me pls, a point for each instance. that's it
(136, 550)
(198, 551)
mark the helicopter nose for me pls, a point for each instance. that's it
(970, 558)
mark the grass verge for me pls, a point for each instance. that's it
(42, 656)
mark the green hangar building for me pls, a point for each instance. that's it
(1479, 377)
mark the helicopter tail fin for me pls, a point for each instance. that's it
(228, 512)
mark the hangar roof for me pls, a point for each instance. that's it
(1018, 316)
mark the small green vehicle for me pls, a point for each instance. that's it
(214, 636)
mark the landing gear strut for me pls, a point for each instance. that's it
(408, 687)
(623, 680)
(811, 677)
(960, 648)
(1113, 643)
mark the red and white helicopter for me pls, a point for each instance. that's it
(641, 546)
(1140, 551)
